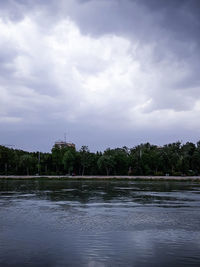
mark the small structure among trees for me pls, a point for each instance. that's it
(64, 144)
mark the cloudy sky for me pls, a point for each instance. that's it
(107, 72)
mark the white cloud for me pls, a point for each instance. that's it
(107, 81)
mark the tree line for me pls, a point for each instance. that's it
(144, 159)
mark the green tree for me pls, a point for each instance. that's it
(57, 158)
(45, 161)
(69, 160)
(106, 162)
(84, 158)
(27, 162)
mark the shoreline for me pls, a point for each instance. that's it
(101, 177)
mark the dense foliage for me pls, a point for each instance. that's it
(144, 159)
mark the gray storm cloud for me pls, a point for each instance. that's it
(110, 73)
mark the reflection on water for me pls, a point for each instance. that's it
(51, 222)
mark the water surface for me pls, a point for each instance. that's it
(54, 222)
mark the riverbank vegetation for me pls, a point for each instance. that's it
(145, 159)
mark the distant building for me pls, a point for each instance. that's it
(63, 144)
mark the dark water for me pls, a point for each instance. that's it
(99, 223)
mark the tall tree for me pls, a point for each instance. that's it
(84, 158)
(69, 160)
(106, 162)
(27, 162)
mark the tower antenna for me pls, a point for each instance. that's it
(65, 139)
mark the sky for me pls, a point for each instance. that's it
(108, 73)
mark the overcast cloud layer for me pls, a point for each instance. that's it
(107, 72)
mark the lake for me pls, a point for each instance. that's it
(61, 222)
